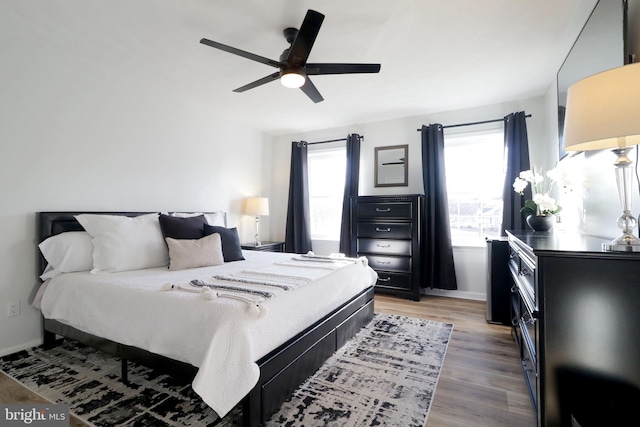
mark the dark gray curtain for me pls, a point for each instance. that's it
(350, 190)
(438, 252)
(516, 145)
(298, 227)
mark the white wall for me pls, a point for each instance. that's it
(76, 136)
(470, 262)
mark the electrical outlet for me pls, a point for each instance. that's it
(13, 308)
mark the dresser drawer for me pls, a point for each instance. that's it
(531, 377)
(394, 280)
(515, 318)
(389, 263)
(385, 246)
(401, 210)
(527, 279)
(527, 325)
(384, 230)
(522, 268)
(514, 259)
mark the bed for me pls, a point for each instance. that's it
(285, 354)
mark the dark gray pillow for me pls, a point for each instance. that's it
(177, 227)
(231, 249)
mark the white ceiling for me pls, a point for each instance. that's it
(436, 55)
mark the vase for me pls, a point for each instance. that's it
(541, 223)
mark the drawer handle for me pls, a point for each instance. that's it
(384, 262)
(526, 365)
(384, 279)
(388, 245)
(383, 230)
(525, 272)
(528, 318)
(383, 210)
(514, 289)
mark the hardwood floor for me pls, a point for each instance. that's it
(481, 383)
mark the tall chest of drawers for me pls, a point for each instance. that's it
(387, 230)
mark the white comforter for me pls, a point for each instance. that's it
(218, 336)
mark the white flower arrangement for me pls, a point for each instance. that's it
(542, 204)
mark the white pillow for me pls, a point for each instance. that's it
(215, 218)
(67, 252)
(187, 253)
(121, 243)
(49, 273)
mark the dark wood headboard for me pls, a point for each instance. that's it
(52, 223)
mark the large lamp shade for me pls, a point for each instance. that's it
(257, 206)
(603, 110)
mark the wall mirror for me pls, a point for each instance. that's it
(391, 166)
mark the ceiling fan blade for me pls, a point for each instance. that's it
(242, 53)
(301, 46)
(260, 82)
(311, 91)
(319, 69)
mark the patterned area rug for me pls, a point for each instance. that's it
(385, 376)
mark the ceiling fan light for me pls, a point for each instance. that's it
(293, 78)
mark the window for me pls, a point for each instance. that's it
(475, 178)
(327, 168)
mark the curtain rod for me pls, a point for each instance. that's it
(475, 123)
(326, 142)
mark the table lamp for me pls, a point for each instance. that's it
(257, 206)
(603, 111)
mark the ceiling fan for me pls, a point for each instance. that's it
(294, 71)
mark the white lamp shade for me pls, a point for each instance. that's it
(603, 110)
(256, 206)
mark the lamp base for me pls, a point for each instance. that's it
(257, 242)
(625, 243)
(612, 247)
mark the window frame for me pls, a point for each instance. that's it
(340, 175)
(495, 131)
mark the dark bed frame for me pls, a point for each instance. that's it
(281, 371)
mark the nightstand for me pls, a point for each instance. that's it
(264, 246)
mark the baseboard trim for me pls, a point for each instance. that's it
(476, 296)
(17, 348)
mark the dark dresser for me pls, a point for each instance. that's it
(576, 321)
(387, 230)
